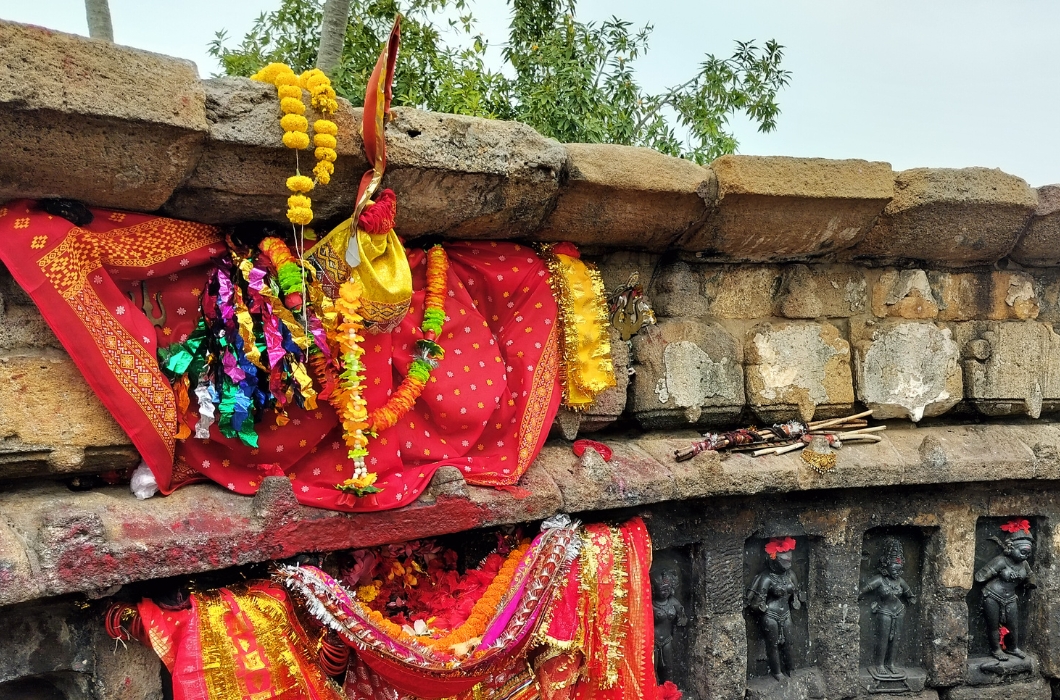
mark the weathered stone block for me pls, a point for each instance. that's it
(780, 208)
(21, 325)
(468, 177)
(630, 197)
(998, 295)
(110, 125)
(907, 370)
(679, 291)
(1033, 690)
(744, 291)
(1040, 243)
(687, 372)
(52, 421)
(904, 294)
(244, 167)
(794, 368)
(956, 218)
(822, 291)
(1010, 368)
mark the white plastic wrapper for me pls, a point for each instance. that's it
(143, 482)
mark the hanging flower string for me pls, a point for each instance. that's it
(348, 399)
(296, 127)
(357, 423)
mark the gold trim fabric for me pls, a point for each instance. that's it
(586, 369)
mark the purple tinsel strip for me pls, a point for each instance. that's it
(225, 294)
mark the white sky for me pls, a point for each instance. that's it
(939, 83)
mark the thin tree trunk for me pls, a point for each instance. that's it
(332, 34)
(99, 26)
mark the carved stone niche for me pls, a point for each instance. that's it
(775, 611)
(1003, 589)
(673, 608)
(890, 607)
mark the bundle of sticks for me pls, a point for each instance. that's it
(785, 437)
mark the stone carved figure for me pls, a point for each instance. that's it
(773, 594)
(890, 594)
(1002, 578)
(668, 612)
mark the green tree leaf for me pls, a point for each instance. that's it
(571, 80)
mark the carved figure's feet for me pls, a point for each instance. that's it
(1018, 653)
(1000, 655)
(780, 677)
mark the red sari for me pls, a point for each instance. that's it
(485, 411)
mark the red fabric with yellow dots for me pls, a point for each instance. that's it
(486, 410)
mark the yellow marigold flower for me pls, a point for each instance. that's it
(291, 105)
(326, 166)
(298, 200)
(294, 122)
(323, 126)
(325, 154)
(300, 216)
(314, 78)
(289, 91)
(299, 183)
(325, 140)
(361, 482)
(296, 139)
(288, 78)
(322, 174)
(366, 594)
(268, 73)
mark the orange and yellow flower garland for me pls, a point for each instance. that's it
(461, 640)
(295, 130)
(357, 423)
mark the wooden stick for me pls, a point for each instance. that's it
(817, 425)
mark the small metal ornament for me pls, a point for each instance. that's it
(630, 309)
(819, 454)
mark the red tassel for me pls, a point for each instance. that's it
(668, 691)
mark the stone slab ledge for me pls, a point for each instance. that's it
(122, 128)
(54, 541)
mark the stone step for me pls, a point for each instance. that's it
(54, 541)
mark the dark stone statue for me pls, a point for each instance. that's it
(773, 594)
(1002, 578)
(668, 612)
(890, 594)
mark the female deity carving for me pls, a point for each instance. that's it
(1002, 577)
(773, 594)
(890, 595)
(668, 612)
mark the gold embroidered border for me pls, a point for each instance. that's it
(133, 366)
(143, 245)
(538, 401)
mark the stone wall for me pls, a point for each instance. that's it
(784, 288)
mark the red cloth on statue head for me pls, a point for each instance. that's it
(486, 410)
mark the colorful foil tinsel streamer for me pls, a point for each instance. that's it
(249, 351)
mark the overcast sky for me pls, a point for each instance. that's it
(940, 83)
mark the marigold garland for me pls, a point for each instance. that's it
(429, 351)
(357, 423)
(461, 640)
(295, 135)
(484, 611)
